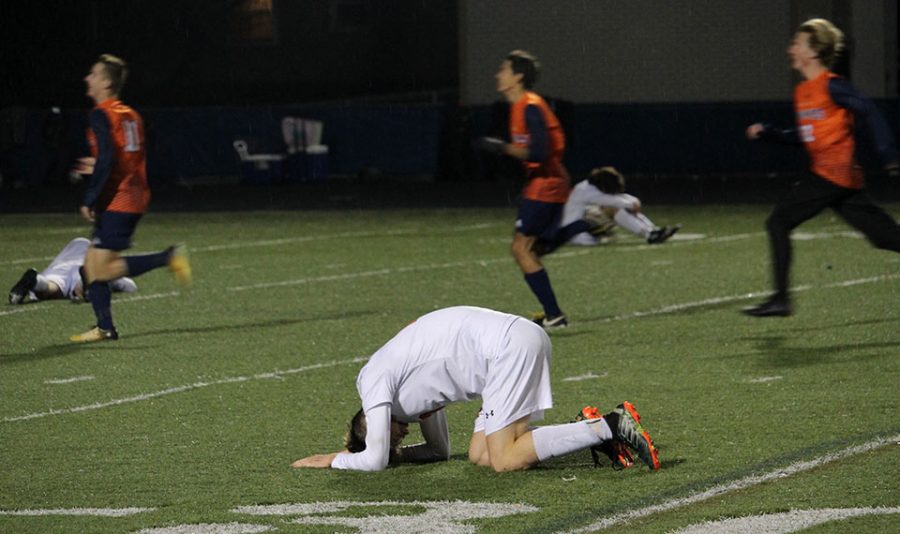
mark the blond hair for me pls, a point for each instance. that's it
(116, 71)
(825, 39)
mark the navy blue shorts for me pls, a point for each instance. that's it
(540, 219)
(113, 230)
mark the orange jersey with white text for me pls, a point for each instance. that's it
(125, 188)
(826, 130)
(548, 180)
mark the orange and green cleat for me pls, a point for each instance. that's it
(625, 423)
(615, 450)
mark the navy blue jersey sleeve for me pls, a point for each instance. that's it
(790, 136)
(99, 123)
(865, 115)
(539, 145)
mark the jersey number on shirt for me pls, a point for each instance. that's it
(806, 133)
(132, 136)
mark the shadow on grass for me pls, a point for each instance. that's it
(779, 354)
(65, 349)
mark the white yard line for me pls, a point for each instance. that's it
(23, 308)
(102, 512)
(744, 483)
(57, 381)
(179, 389)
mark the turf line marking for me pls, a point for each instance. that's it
(740, 484)
(386, 271)
(181, 389)
(22, 308)
(55, 381)
(103, 512)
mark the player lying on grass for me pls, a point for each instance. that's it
(462, 353)
(598, 204)
(62, 279)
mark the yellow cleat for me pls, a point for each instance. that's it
(95, 334)
(180, 265)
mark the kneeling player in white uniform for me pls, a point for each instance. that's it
(62, 278)
(605, 188)
(462, 353)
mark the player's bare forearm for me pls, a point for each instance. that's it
(319, 461)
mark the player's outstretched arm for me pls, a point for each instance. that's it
(316, 460)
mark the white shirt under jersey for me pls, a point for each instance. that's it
(585, 194)
(450, 355)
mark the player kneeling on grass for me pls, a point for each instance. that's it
(462, 353)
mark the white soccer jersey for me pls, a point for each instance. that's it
(63, 270)
(457, 354)
(585, 194)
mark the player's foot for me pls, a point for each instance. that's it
(550, 323)
(661, 235)
(774, 307)
(25, 284)
(180, 265)
(615, 450)
(95, 334)
(625, 423)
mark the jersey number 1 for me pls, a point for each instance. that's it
(132, 136)
(806, 133)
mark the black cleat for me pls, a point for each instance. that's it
(661, 235)
(25, 284)
(774, 307)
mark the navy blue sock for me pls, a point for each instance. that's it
(539, 283)
(138, 265)
(100, 300)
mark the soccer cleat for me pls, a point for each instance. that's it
(774, 307)
(180, 265)
(661, 235)
(95, 334)
(625, 423)
(26, 283)
(615, 450)
(550, 323)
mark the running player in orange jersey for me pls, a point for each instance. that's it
(538, 141)
(828, 109)
(116, 197)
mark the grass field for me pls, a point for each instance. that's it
(190, 421)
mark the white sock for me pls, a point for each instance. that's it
(41, 284)
(557, 440)
(637, 224)
(124, 284)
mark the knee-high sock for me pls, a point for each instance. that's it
(138, 265)
(101, 302)
(780, 245)
(558, 440)
(635, 223)
(539, 283)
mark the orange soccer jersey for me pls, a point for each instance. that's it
(125, 188)
(548, 180)
(826, 130)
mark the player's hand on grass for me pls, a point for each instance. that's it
(316, 460)
(87, 213)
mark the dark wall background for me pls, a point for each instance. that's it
(190, 52)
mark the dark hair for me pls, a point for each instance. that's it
(116, 70)
(608, 180)
(525, 64)
(356, 434)
(825, 39)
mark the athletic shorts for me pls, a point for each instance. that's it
(113, 230)
(539, 219)
(518, 379)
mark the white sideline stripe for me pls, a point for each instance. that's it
(764, 379)
(180, 389)
(55, 381)
(587, 376)
(744, 483)
(22, 308)
(103, 512)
